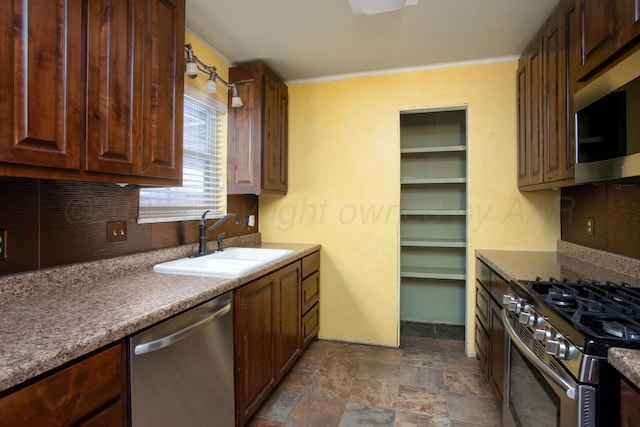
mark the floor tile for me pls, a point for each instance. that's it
(339, 365)
(466, 383)
(473, 409)
(460, 363)
(451, 346)
(278, 406)
(314, 411)
(409, 419)
(429, 378)
(377, 371)
(428, 402)
(374, 393)
(426, 359)
(296, 380)
(356, 415)
(420, 343)
(426, 382)
(384, 354)
(330, 385)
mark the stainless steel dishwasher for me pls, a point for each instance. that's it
(182, 369)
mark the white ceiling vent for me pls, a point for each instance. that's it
(371, 7)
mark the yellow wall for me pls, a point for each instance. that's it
(344, 192)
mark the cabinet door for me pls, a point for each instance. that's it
(254, 344)
(631, 20)
(496, 352)
(536, 117)
(629, 403)
(288, 317)
(135, 85)
(274, 169)
(163, 87)
(599, 32)
(530, 116)
(244, 135)
(524, 120)
(112, 81)
(555, 100)
(41, 76)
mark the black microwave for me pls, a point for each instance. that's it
(608, 125)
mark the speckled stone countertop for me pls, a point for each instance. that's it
(573, 262)
(50, 317)
(627, 362)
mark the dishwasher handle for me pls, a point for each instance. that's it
(170, 339)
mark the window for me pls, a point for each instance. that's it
(202, 178)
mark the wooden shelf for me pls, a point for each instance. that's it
(446, 273)
(424, 181)
(433, 212)
(443, 149)
(434, 243)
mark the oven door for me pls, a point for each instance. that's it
(538, 396)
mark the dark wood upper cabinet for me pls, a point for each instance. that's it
(631, 20)
(257, 132)
(599, 32)
(135, 84)
(95, 97)
(606, 28)
(530, 117)
(41, 80)
(545, 86)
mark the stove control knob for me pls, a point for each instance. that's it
(541, 334)
(540, 322)
(527, 318)
(515, 305)
(561, 349)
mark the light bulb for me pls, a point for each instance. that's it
(211, 85)
(192, 69)
(236, 101)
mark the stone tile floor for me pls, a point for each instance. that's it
(426, 382)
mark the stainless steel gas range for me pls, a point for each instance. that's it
(559, 333)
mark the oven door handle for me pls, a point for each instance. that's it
(549, 373)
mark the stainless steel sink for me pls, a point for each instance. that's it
(232, 262)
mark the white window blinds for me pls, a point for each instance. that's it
(202, 173)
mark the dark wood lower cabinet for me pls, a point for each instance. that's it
(629, 404)
(90, 392)
(490, 332)
(270, 332)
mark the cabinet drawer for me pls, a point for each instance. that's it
(310, 325)
(482, 305)
(310, 291)
(482, 346)
(310, 263)
(483, 274)
(68, 395)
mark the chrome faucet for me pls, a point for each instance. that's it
(202, 250)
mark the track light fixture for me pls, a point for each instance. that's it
(193, 66)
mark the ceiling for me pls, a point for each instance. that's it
(303, 39)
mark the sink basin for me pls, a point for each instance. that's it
(231, 262)
(258, 254)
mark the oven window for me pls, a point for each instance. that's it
(532, 401)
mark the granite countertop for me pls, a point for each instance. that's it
(50, 317)
(573, 262)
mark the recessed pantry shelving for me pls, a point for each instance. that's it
(433, 244)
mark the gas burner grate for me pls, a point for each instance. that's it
(608, 310)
